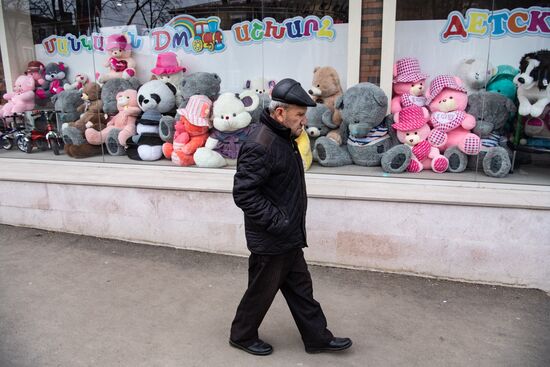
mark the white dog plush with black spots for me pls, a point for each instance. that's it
(532, 82)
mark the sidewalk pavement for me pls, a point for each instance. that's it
(69, 300)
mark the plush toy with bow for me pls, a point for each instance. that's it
(55, 74)
(120, 63)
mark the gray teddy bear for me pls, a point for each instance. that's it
(200, 83)
(316, 126)
(491, 111)
(65, 104)
(365, 129)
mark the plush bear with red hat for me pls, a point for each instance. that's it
(168, 70)
(191, 131)
(452, 126)
(409, 85)
(412, 128)
(120, 62)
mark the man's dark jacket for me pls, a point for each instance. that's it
(270, 188)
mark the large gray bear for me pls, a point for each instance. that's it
(491, 111)
(365, 130)
(65, 104)
(200, 83)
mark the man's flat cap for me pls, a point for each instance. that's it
(291, 92)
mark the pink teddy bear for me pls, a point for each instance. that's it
(408, 85)
(120, 62)
(125, 120)
(447, 100)
(412, 128)
(22, 97)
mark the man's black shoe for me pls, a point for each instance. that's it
(335, 345)
(258, 348)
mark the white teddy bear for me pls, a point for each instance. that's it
(231, 129)
(475, 73)
(260, 85)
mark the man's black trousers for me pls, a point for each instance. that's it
(266, 275)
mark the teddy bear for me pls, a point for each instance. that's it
(66, 104)
(36, 70)
(491, 112)
(79, 81)
(111, 88)
(260, 85)
(326, 89)
(409, 85)
(447, 100)
(22, 97)
(76, 145)
(503, 81)
(54, 75)
(120, 127)
(154, 99)
(120, 62)
(474, 73)
(191, 131)
(168, 70)
(199, 83)
(532, 81)
(411, 124)
(364, 130)
(231, 120)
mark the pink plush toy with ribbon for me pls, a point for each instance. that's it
(409, 85)
(447, 100)
(22, 97)
(412, 128)
(120, 61)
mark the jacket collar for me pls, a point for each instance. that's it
(279, 129)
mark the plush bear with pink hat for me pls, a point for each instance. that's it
(168, 70)
(191, 131)
(409, 85)
(452, 126)
(120, 62)
(412, 128)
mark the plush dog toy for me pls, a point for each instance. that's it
(532, 82)
(409, 85)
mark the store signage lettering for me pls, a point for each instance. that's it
(498, 23)
(183, 32)
(295, 29)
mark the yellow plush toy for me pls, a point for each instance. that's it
(305, 149)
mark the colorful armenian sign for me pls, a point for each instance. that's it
(533, 21)
(295, 29)
(183, 32)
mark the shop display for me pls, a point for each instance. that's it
(80, 80)
(168, 70)
(447, 101)
(326, 89)
(532, 81)
(120, 127)
(191, 131)
(76, 145)
(55, 77)
(22, 97)
(413, 130)
(120, 62)
(491, 112)
(409, 84)
(231, 126)
(503, 81)
(154, 98)
(475, 73)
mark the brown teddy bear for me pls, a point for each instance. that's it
(91, 111)
(326, 89)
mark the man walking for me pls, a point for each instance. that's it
(270, 189)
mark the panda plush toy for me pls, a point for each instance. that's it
(155, 98)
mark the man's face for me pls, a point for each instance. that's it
(292, 117)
